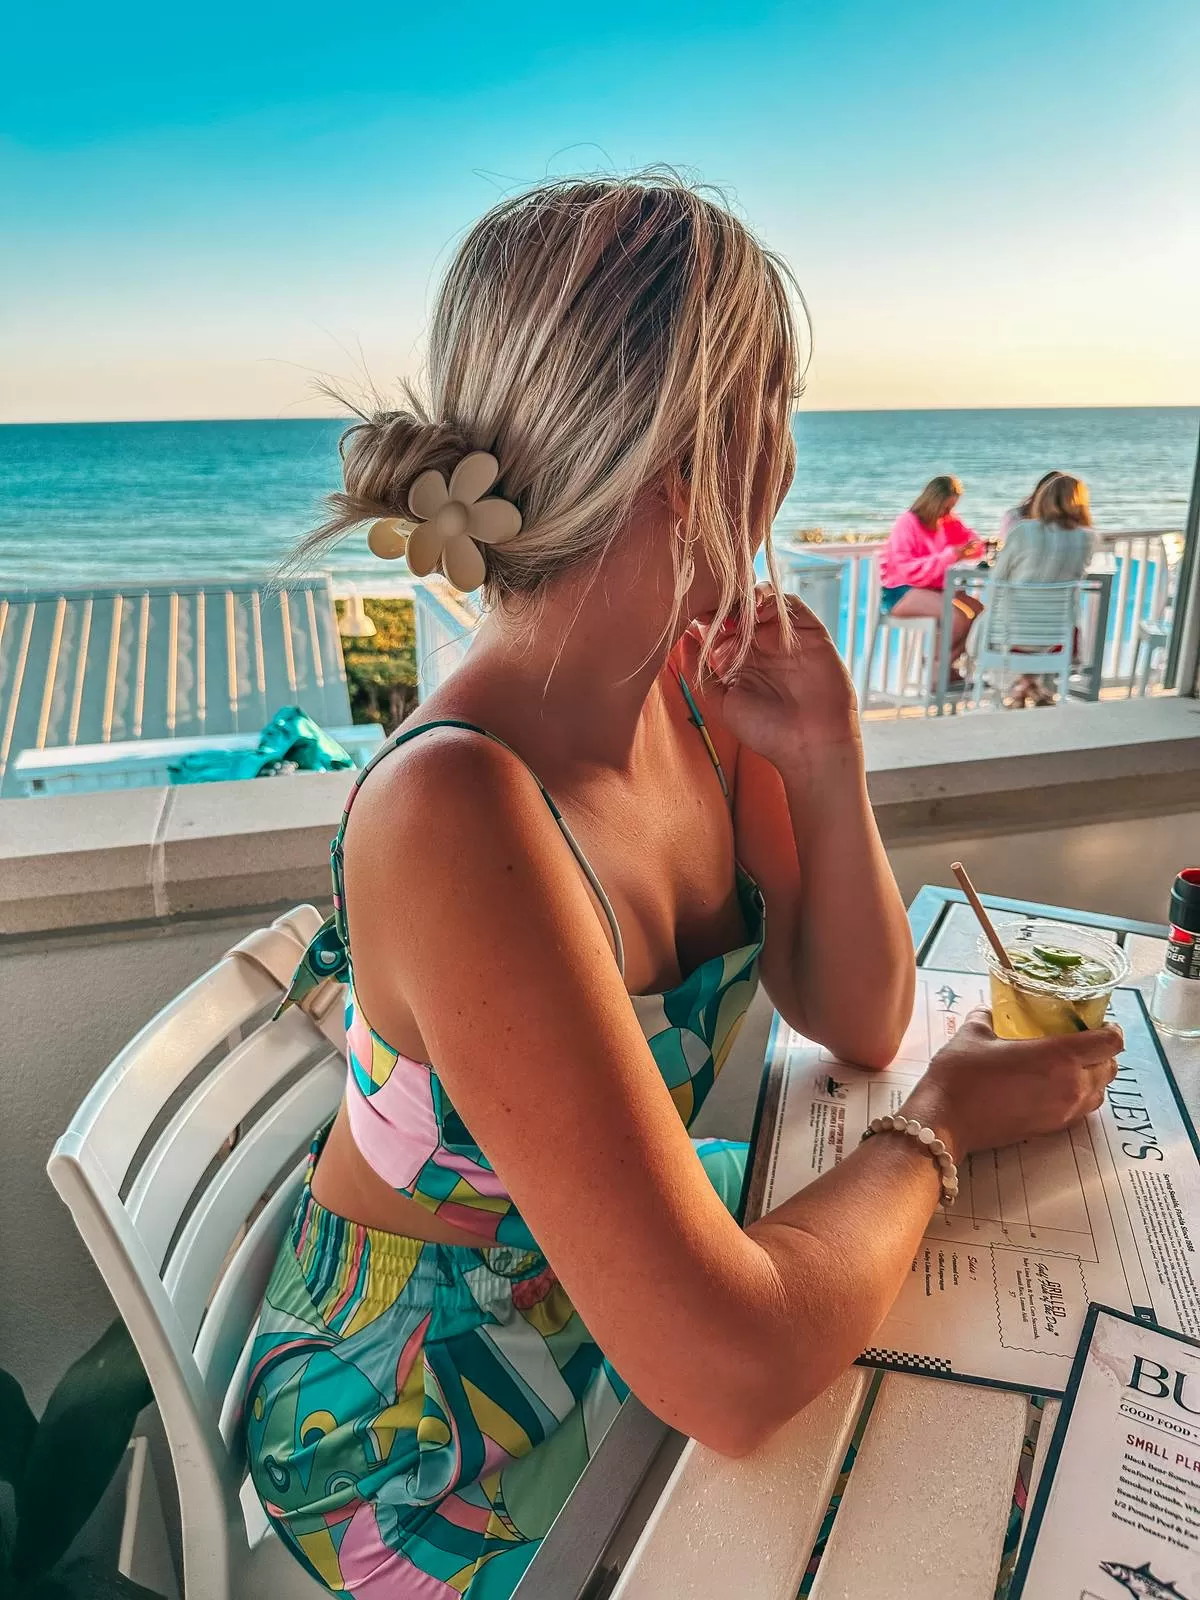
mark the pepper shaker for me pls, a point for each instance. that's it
(1175, 1003)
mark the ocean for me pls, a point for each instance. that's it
(154, 501)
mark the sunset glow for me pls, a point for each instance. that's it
(982, 210)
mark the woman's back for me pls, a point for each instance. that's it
(1043, 552)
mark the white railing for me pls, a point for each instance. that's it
(839, 579)
(1143, 564)
(445, 621)
(857, 610)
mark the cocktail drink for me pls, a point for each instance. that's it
(1062, 980)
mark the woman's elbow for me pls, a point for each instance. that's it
(740, 1430)
(733, 1429)
(736, 1437)
(879, 1050)
(861, 1041)
(876, 1061)
(860, 1035)
(752, 1362)
(871, 1045)
(880, 1037)
(739, 1415)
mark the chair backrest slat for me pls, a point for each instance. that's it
(1030, 615)
(254, 1165)
(1160, 581)
(137, 1089)
(234, 1305)
(196, 1134)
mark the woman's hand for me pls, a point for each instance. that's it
(781, 701)
(981, 1092)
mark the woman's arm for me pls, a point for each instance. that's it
(957, 534)
(838, 962)
(469, 917)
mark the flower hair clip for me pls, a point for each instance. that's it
(452, 522)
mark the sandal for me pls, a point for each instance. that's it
(1023, 693)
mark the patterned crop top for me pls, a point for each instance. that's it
(401, 1117)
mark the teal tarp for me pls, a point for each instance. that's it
(290, 742)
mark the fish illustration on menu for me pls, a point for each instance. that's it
(1141, 1581)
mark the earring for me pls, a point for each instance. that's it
(687, 571)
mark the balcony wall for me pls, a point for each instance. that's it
(111, 903)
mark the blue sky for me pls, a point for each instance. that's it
(986, 202)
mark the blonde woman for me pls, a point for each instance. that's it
(1022, 512)
(1053, 544)
(642, 792)
(925, 542)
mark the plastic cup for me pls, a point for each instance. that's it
(1028, 1006)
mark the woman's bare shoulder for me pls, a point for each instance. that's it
(440, 799)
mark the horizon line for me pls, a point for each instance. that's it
(145, 422)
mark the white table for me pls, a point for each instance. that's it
(927, 1503)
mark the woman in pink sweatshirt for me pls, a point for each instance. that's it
(925, 542)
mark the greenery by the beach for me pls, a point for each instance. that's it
(381, 672)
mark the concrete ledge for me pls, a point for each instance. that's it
(74, 862)
(82, 856)
(1017, 771)
(69, 862)
(226, 845)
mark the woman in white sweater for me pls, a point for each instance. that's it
(1023, 512)
(1054, 544)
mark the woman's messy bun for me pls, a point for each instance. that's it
(382, 457)
(595, 336)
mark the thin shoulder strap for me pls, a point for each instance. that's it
(585, 865)
(701, 727)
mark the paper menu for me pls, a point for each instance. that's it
(1108, 1211)
(1117, 1511)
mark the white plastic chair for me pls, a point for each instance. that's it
(914, 641)
(1151, 638)
(1024, 628)
(818, 582)
(181, 1170)
(1153, 630)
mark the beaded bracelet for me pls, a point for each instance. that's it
(928, 1140)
